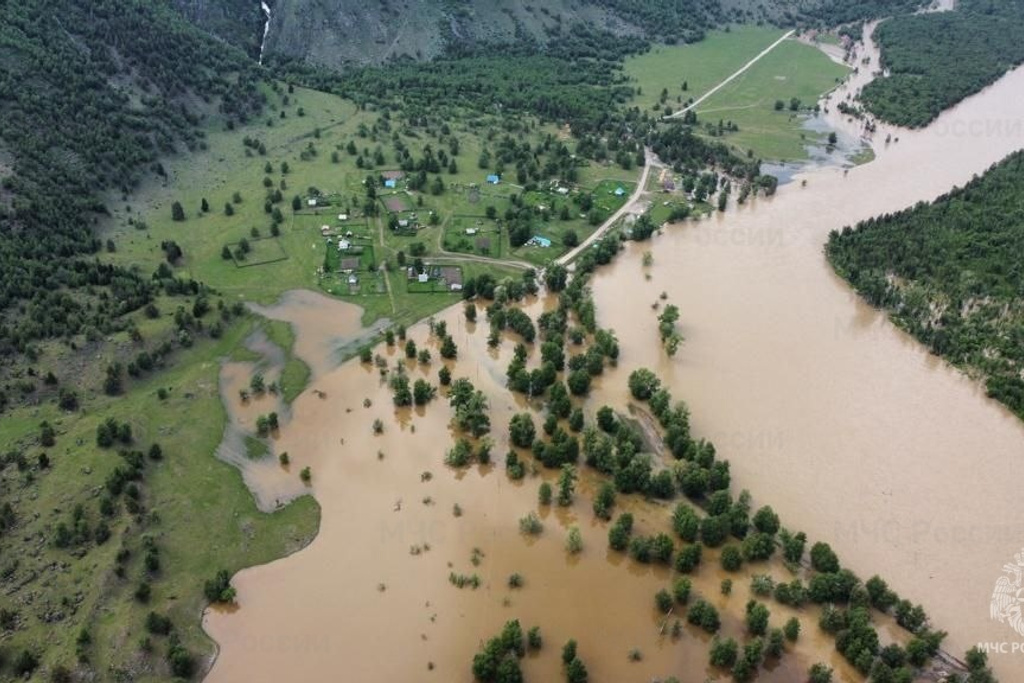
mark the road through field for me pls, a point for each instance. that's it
(734, 75)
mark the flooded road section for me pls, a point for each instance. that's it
(847, 426)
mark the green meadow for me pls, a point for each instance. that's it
(791, 70)
(193, 508)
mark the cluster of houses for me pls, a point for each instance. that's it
(447, 276)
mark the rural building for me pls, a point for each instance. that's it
(619, 192)
(343, 245)
(348, 265)
(538, 241)
(452, 275)
(471, 231)
(311, 202)
(423, 278)
(493, 179)
(353, 280)
(393, 175)
(391, 183)
(342, 216)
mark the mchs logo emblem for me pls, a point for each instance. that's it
(1007, 596)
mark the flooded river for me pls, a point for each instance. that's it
(371, 600)
(845, 425)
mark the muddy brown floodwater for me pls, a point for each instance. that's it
(826, 411)
(324, 327)
(370, 599)
(846, 425)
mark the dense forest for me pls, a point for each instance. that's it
(951, 274)
(578, 81)
(937, 59)
(94, 93)
(838, 12)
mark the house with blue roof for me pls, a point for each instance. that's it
(391, 183)
(493, 179)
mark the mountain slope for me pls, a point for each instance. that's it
(336, 33)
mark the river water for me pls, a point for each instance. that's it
(844, 424)
(847, 426)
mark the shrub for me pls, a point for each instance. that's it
(531, 525)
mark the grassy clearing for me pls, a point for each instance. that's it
(792, 70)
(196, 508)
(701, 65)
(295, 374)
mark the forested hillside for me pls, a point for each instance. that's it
(94, 93)
(937, 59)
(952, 274)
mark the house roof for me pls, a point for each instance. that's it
(452, 274)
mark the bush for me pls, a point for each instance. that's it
(731, 558)
(180, 660)
(158, 624)
(544, 494)
(823, 559)
(531, 525)
(574, 541)
(533, 638)
(681, 590)
(218, 589)
(643, 383)
(819, 673)
(688, 558)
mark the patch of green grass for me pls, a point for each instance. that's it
(661, 209)
(295, 374)
(791, 70)
(701, 65)
(256, 449)
(196, 508)
(864, 155)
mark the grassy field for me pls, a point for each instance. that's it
(302, 156)
(792, 70)
(295, 374)
(195, 508)
(701, 65)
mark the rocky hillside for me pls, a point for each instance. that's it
(338, 33)
(345, 33)
(239, 22)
